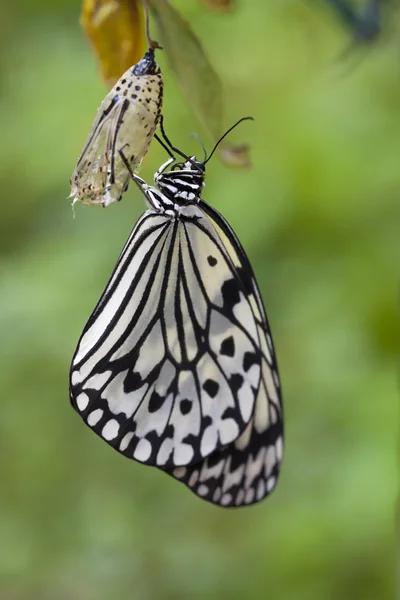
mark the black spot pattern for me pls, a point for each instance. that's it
(214, 459)
(155, 403)
(249, 359)
(228, 347)
(246, 279)
(212, 261)
(169, 431)
(229, 413)
(230, 293)
(133, 381)
(185, 406)
(211, 387)
(236, 382)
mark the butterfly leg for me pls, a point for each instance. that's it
(150, 193)
(163, 167)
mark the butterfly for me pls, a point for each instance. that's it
(126, 119)
(176, 366)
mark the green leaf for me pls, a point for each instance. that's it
(199, 81)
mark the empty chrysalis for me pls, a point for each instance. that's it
(125, 121)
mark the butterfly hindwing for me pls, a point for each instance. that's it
(245, 471)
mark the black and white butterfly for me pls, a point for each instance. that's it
(176, 366)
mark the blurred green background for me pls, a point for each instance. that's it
(319, 215)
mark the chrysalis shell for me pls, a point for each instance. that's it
(125, 121)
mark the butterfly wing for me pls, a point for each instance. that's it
(168, 367)
(245, 471)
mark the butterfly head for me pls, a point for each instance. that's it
(183, 183)
(192, 164)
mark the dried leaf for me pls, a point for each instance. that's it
(115, 29)
(236, 156)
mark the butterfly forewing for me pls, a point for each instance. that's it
(171, 355)
(126, 120)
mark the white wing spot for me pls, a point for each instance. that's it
(110, 429)
(276, 379)
(270, 460)
(217, 494)
(82, 401)
(243, 441)
(226, 499)
(209, 440)
(260, 489)
(95, 417)
(164, 451)
(183, 454)
(180, 472)
(239, 497)
(142, 450)
(193, 478)
(202, 490)
(98, 380)
(270, 484)
(75, 377)
(229, 431)
(125, 441)
(249, 496)
(279, 449)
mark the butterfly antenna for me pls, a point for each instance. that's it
(170, 146)
(226, 133)
(167, 141)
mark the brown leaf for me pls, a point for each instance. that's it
(224, 5)
(236, 156)
(115, 29)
